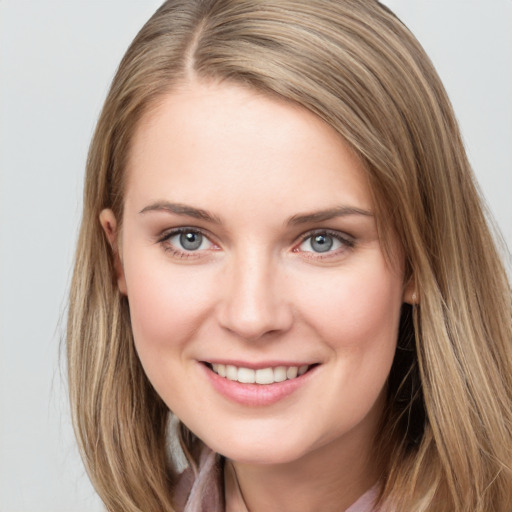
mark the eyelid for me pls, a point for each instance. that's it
(165, 236)
(169, 233)
(347, 241)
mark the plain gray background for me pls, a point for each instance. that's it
(57, 58)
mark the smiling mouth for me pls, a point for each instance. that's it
(270, 375)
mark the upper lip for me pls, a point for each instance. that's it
(257, 365)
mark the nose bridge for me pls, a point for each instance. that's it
(254, 303)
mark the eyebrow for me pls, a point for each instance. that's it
(199, 213)
(181, 209)
(331, 213)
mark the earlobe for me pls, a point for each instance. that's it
(109, 224)
(410, 295)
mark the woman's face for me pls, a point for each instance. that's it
(249, 252)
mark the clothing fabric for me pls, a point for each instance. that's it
(215, 485)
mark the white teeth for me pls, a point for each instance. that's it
(291, 372)
(280, 374)
(246, 375)
(263, 376)
(260, 376)
(303, 369)
(231, 372)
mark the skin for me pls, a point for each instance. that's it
(257, 290)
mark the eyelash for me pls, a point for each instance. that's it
(178, 253)
(346, 241)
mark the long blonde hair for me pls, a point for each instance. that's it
(447, 431)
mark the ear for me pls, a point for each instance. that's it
(109, 224)
(410, 295)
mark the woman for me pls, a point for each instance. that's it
(282, 244)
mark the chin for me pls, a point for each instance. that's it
(262, 458)
(257, 451)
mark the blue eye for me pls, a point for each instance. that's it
(191, 241)
(324, 242)
(321, 243)
(187, 240)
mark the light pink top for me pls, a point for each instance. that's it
(213, 488)
(366, 503)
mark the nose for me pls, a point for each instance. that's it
(254, 301)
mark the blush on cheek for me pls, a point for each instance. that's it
(355, 311)
(377, 323)
(165, 307)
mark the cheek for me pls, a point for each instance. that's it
(356, 315)
(167, 307)
(356, 309)
(166, 304)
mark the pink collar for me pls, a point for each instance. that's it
(204, 493)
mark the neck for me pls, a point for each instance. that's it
(330, 478)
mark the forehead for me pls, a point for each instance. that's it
(226, 141)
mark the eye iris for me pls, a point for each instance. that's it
(322, 243)
(191, 241)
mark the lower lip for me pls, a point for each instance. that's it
(256, 394)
